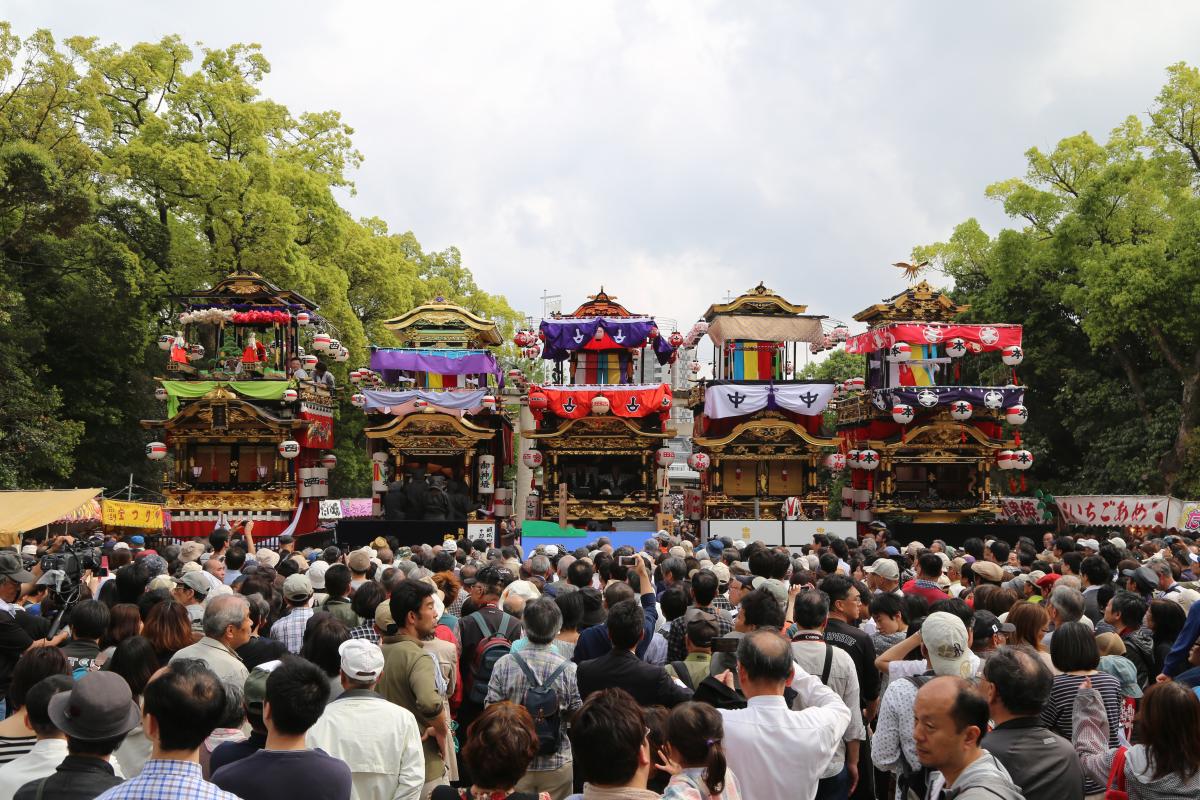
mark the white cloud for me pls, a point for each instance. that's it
(676, 150)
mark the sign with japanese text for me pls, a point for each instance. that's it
(1020, 510)
(123, 514)
(482, 530)
(329, 509)
(1115, 509)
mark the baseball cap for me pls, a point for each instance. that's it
(138, 540)
(988, 625)
(722, 572)
(663, 535)
(316, 574)
(773, 587)
(362, 660)
(884, 568)
(890, 551)
(449, 546)
(551, 550)
(1117, 542)
(945, 639)
(255, 689)
(195, 581)
(297, 587)
(268, 558)
(1091, 544)
(121, 546)
(988, 570)
(29, 550)
(359, 561)
(702, 627)
(1144, 576)
(384, 619)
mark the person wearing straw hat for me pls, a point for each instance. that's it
(95, 716)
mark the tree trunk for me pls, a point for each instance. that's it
(1175, 459)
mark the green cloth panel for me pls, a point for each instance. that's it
(538, 529)
(258, 390)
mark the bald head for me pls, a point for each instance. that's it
(949, 718)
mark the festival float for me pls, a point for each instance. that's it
(600, 424)
(757, 438)
(920, 436)
(242, 440)
(434, 423)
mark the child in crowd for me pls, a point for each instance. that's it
(694, 756)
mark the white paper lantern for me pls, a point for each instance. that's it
(600, 405)
(380, 457)
(358, 400)
(664, 456)
(355, 376)
(903, 413)
(195, 352)
(165, 341)
(290, 395)
(852, 459)
(699, 461)
(900, 351)
(160, 393)
(1012, 355)
(156, 451)
(342, 355)
(329, 461)
(334, 346)
(532, 458)
(868, 459)
(419, 403)
(835, 461)
(321, 341)
(1004, 459)
(1016, 415)
(956, 348)
(309, 361)
(488, 402)
(303, 318)
(289, 449)
(856, 384)
(1022, 459)
(961, 410)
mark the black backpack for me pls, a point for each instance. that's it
(542, 703)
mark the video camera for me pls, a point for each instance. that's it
(69, 564)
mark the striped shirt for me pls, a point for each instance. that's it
(1057, 714)
(12, 747)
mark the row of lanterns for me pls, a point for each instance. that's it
(956, 348)
(960, 410)
(157, 451)
(1014, 459)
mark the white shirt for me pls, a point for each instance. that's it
(378, 740)
(39, 762)
(780, 753)
(843, 679)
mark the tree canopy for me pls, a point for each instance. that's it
(1104, 272)
(130, 175)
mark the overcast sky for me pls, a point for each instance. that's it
(673, 151)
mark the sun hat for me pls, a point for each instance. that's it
(359, 561)
(316, 574)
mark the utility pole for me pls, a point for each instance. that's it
(129, 496)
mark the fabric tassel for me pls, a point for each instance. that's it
(1017, 437)
(1022, 481)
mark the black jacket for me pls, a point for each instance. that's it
(1040, 762)
(620, 669)
(77, 778)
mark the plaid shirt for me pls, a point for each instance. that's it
(366, 631)
(509, 683)
(722, 602)
(290, 629)
(677, 638)
(455, 608)
(178, 780)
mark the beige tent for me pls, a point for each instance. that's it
(22, 511)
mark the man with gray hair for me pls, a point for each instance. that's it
(1064, 605)
(530, 674)
(1169, 588)
(226, 628)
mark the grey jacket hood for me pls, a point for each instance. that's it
(1139, 776)
(985, 779)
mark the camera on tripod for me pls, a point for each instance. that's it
(68, 566)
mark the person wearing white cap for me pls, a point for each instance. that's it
(945, 643)
(378, 740)
(883, 576)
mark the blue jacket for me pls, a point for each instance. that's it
(1176, 660)
(594, 641)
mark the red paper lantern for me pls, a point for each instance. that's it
(676, 339)
(538, 401)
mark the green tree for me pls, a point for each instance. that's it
(1103, 272)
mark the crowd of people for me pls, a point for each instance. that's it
(1059, 670)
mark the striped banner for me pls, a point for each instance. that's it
(754, 361)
